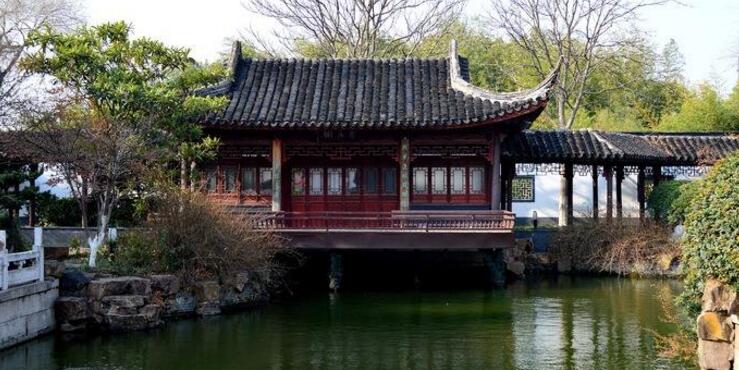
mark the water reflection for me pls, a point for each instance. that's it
(564, 324)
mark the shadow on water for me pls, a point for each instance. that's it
(562, 323)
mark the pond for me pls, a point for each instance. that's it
(566, 323)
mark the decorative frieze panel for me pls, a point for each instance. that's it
(449, 151)
(341, 151)
(687, 171)
(243, 151)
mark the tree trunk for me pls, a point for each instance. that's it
(83, 205)
(183, 174)
(105, 209)
(193, 171)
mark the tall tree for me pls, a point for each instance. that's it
(18, 19)
(357, 28)
(586, 34)
(132, 104)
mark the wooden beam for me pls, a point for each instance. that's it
(640, 193)
(595, 192)
(619, 193)
(277, 156)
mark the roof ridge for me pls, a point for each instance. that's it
(613, 147)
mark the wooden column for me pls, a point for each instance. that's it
(405, 174)
(640, 193)
(277, 159)
(656, 175)
(568, 178)
(495, 185)
(619, 193)
(595, 192)
(511, 173)
(608, 174)
(565, 211)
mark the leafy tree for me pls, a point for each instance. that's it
(131, 106)
(702, 110)
(17, 188)
(712, 233)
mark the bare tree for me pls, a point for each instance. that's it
(357, 28)
(18, 18)
(585, 34)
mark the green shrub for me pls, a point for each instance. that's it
(711, 244)
(54, 211)
(669, 201)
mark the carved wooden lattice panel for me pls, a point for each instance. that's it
(449, 150)
(523, 189)
(243, 151)
(341, 152)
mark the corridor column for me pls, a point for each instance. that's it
(608, 174)
(640, 193)
(405, 174)
(619, 198)
(495, 186)
(277, 158)
(565, 215)
(595, 192)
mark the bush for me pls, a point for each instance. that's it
(669, 201)
(613, 248)
(54, 211)
(197, 239)
(710, 247)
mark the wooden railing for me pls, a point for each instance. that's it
(405, 221)
(21, 267)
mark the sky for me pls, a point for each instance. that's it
(706, 31)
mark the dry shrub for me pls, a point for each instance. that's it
(197, 239)
(614, 247)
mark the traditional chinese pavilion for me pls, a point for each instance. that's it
(368, 151)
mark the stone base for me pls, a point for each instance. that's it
(27, 311)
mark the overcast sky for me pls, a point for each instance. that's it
(707, 31)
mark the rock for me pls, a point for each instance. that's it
(238, 281)
(167, 284)
(232, 299)
(207, 291)
(714, 355)
(122, 323)
(125, 285)
(73, 281)
(564, 265)
(715, 326)
(54, 268)
(151, 312)
(208, 308)
(71, 309)
(516, 267)
(121, 304)
(56, 252)
(667, 261)
(718, 297)
(183, 303)
(542, 259)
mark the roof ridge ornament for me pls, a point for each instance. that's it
(235, 59)
(540, 92)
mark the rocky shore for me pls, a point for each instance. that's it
(96, 302)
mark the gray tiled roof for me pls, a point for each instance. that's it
(600, 147)
(365, 93)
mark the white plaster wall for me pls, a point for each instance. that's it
(546, 202)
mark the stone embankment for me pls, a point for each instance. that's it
(125, 303)
(718, 344)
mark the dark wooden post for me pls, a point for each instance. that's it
(495, 193)
(608, 174)
(619, 198)
(568, 193)
(509, 172)
(405, 174)
(595, 192)
(277, 156)
(656, 175)
(640, 193)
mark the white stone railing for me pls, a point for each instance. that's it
(21, 267)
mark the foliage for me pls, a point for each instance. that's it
(702, 110)
(670, 200)
(712, 233)
(195, 238)
(55, 211)
(131, 105)
(613, 248)
(17, 188)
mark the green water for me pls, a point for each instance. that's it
(586, 323)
